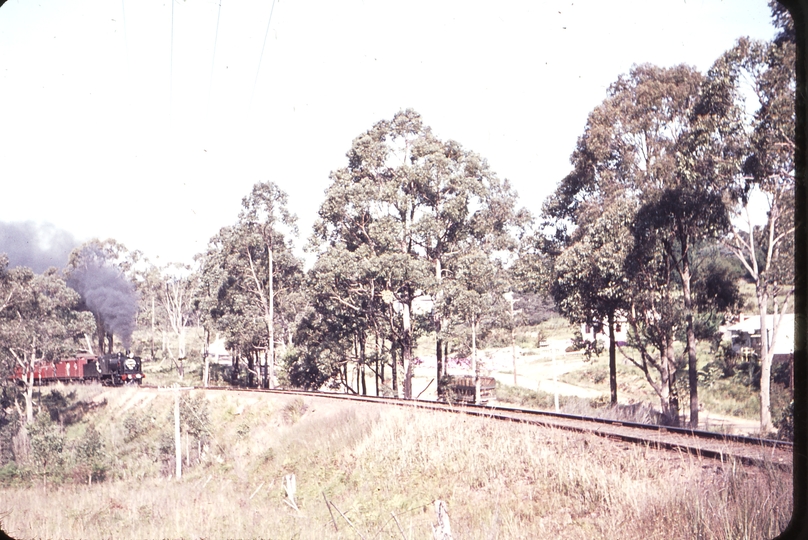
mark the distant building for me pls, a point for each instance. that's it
(600, 331)
(217, 350)
(746, 334)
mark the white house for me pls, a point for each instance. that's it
(746, 333)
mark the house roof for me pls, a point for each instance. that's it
(751, 324)
(785, 334)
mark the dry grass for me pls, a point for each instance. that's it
(499, 480)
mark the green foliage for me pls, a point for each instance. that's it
(589, 347)
(294, 410)
(308, 368)
(39, 319)
(90, 456)
(403, 219)
(10, 474)
(785, 423)
(47, 443)
(135, 424)
(249, 288)
(532, 399)
(195, 416)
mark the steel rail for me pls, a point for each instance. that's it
(747, 450)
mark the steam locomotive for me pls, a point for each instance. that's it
(109, 369)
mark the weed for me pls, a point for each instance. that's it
(294, 410)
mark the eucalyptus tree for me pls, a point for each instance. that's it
(645, 143)
(412, 200)
(475, 294)
(464, 204)
(342, 288)
(246, 270)
(591, 285)
(264, 215)
(178, 285)
(39, 320)
(764, 173)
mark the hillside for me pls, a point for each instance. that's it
(379, 467)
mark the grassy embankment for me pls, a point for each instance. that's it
(381, 468)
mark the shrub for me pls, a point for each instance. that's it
(90, 456)
(294, 410)
(47, 443)
(785, 423)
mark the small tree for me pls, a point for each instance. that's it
(47, 443)
(475, 296)
(90, 455)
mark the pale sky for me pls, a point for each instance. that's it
(104, 133)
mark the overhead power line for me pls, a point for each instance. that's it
(171, 63)
(215, 40)
(257, 71)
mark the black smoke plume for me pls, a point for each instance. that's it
(106, 292)
(37, 246)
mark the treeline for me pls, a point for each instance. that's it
(417, 234)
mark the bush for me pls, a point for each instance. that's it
(91, 462)
(135, 424)
(10, 474)
(785, 423)
(294, 411)
(47, 443)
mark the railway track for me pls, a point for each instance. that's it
(708, 444)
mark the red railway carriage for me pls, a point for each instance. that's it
(70, 368)
(109, 369)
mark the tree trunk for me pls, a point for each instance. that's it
(513, 355)
(152, 327)
(181, 342)
(765, 365)
(692, 369)
(271, 322)
(395, 372)
(206, 356)
(612, 361)
(177, 438)
(29, 396)
(407, 348)
(670, 369)
(439, 361)
(475, 367)
(362, 360)
(438, 340)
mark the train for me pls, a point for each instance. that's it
(461, 389)
(108, 369)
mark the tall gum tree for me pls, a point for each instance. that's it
(263, 214)
(244, 272)
(407, 195)
(764, 176)
(632, 148)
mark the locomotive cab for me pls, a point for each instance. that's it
(119, 368)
